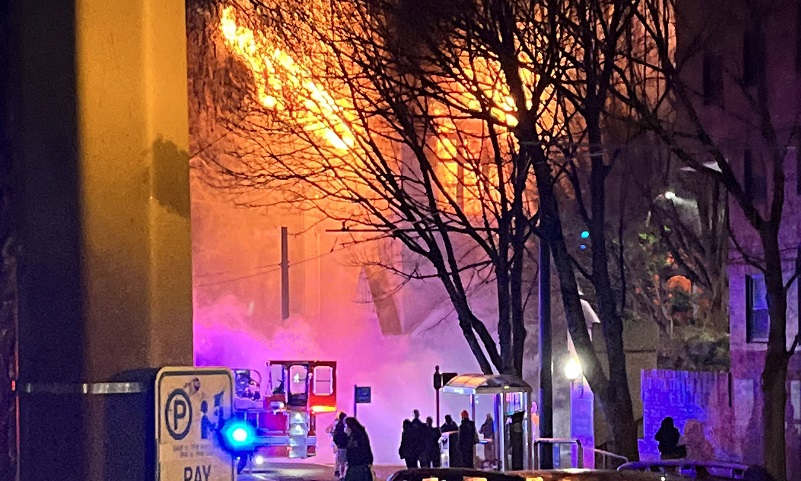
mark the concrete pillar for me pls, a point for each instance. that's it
(99, 150)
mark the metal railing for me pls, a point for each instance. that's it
(608, 459)
(698, 469)
(559, 442)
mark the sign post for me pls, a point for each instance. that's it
(191, 406)
(437, 387)
(361, 395)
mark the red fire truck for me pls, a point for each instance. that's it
(284, 409)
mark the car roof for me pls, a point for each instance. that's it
(466, 474)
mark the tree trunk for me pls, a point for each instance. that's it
(614, 393)
(475, 346)
(616, 404)
(774, 375)
(504, 305)
(773, 414)
(516, 287)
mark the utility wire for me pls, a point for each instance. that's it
(275, 268)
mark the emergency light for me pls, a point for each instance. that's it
(238, 436)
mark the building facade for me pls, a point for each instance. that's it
(742, 61)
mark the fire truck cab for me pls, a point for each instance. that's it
(284, 408)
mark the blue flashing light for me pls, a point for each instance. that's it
(238, 436)
(582, 247)
(585, 234)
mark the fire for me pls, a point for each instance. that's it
(276, 72)
(292, 89)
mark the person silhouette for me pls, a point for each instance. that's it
(668, 439)
(206, 426)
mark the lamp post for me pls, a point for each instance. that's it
(573, 373)
(581, 419)
(572, 369)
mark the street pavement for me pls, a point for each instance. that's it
(290, 471)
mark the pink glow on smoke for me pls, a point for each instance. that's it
(398, 368)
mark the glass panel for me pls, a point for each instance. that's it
(298, 376)
(323, 380)
(758, 318)
(277, 383)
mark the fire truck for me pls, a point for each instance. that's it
(284, 406)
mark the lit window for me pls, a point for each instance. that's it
(756, 315)
(459, 180)
(298, 375)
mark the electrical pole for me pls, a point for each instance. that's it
(546, 363)
(284, 274)
(437, 387)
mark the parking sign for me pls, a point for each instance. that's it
(191, 405)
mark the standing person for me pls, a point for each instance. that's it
(468, 437)
(417, 437)
(516, 442)
(405, 451)
(668, 439)
(341, 445)
(696, 444)
(488, 432)
(359, 453)
(451, 431)
(430, 456)
(449, 426)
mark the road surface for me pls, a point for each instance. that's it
(289, 471)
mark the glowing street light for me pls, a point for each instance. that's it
(572, 369)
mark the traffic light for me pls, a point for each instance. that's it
(238, 436)
(442, 378)
(585, 234)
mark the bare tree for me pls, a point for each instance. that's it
(461, 130)
(677, 263)
(757, 121)
(341, 132)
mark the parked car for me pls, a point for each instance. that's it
(463, 474)
(701, 470)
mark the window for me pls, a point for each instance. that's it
(456, 173)
(713, 79)
(753, 178)
(753, 53)
(757, 320)
(323, 380)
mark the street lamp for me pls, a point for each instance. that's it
(573, 373)
(572, 369)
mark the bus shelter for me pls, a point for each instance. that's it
(511, 445)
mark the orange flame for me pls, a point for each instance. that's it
(275, 71)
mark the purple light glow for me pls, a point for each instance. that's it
(398, 368)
